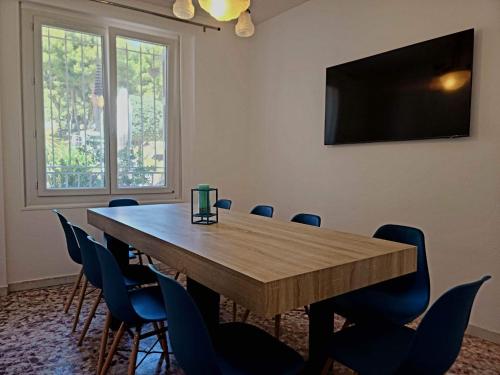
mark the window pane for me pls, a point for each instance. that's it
(141, 113)
(73, 103)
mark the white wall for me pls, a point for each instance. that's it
(213, 119)
(450, 189)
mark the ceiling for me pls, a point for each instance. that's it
(261, 9)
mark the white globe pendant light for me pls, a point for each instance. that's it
(184, 9)
(224, 10)
(245, 27)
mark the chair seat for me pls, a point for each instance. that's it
(381, 303)
(245, 349)
(372, 349)
(135, 275)
(148, 304)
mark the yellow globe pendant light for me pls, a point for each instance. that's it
(225, 10)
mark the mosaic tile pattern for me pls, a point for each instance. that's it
(36, 338)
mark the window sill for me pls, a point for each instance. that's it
(45, 207)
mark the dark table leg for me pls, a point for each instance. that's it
(320, 332)
(207, 301)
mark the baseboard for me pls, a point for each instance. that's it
(3, 291)
(41, 283)
(484, 333)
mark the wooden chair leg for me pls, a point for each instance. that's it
(161, 336)
(245, 316)
(133, 354)
(277, 325)
(177, 275)
(150, 260)
(139, 255)
(327, 367)
(104, 342)
(70, 298)
(80, 303)
(165, 349)
(235, 311)
(90, 317)
(112, 350)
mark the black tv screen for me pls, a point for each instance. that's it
(417, 92)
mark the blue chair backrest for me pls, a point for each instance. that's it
(223, 203)
(113, 286)
(90, 262)
(188, 333)
(117, 247)
(411, 236)
(71, 243)
(123, 202)
(308, 219)
(266, 211)
(439, 336)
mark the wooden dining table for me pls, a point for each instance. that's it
(267, 265)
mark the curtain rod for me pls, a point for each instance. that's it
(118, 5)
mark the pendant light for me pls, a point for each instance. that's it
(184, 9)
(245, 28)
(224, 10)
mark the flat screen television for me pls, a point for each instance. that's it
(420, 91)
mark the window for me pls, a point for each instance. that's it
(105, 109)
(73, 105)
(141, 106)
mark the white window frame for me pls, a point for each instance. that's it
(36, 193)
(170, 134)
(38, 22)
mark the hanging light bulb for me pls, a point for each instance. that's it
(184, 9)
(245, 28)
(224, 10)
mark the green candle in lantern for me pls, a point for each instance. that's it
(204, 198)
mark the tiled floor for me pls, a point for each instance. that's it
(35, 338)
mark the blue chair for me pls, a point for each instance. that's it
(308, 219)
(223, 203)
(393, 349)
(398, 300)
(119, 248)
(134, 275)
(134, 308)
(261, 210)
(74, 254)
(232, 349)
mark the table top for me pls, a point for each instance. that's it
(267, 265)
